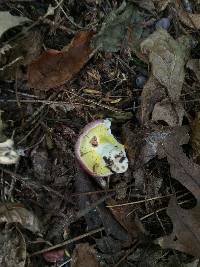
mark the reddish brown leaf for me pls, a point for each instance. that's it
(84, 256)
(54, 67)
(186, 229)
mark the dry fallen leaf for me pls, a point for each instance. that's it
(8, 21)
(55, 67)
(84, 256)
(186, 229)
(16, 213)
(189, 19)
(152, 93)
(171, 114)
(12, 248)
(167, 57)
(182, 168)
(142, 143)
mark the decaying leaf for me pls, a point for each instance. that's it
(12, 248)
(189, 19)
(195, 136)
(170, 113)
(110, 37)
(182, 168)
(194, 65)
(167, 57)
(55, 67)
(8, 21)
(84, 256)
(142, 144)
(16, 213)
(127, 218)
(186, 223)
(186, 229)
(19, 54)
(152, 93)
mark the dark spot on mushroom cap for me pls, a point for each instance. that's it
(94, 141)
(122, 159)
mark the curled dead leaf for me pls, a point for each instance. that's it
(55, 67)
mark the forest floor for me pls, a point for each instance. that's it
(64, 64)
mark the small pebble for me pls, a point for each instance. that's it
(140, 81)
(163, 23)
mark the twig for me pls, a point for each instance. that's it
(102, 191)
(70, 20)
(24, 181)
(138, 202)
(34, 23)
(159, 210)
(131, 250)
(67, 242)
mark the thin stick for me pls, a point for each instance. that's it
(67, 242)
(138, 202)
(70, 20)
(159, 210)
(131, 250)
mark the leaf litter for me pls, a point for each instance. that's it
(90, 54)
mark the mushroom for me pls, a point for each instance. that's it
(98, 152)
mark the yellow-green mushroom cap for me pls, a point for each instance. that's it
(98, 152)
